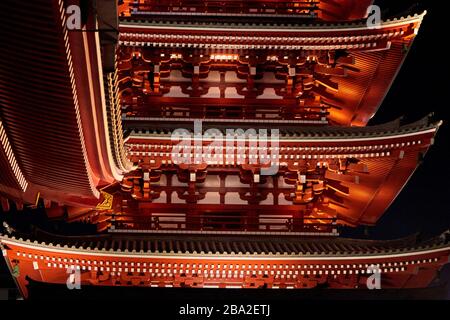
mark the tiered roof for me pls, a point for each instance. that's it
(251, 246)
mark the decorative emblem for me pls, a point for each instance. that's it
(107, 202)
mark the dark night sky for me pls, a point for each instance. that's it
(420, 88)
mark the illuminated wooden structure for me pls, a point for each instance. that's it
(314, 71)
(232, 262)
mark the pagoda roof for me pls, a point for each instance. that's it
(377, 52)
(41, 117)
(391, 152)
(52, 108)
(288, 131)
(292, 24)
(179, 244)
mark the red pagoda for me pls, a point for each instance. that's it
(91, 117)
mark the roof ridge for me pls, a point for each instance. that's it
(287, 25)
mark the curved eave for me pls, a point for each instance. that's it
(344, 10)
(57, 124)
(378, 53)
(40, 109)
(391, 153)
(94, 96)
(299, 134)
(12, 177)
(318, 28)
(306, 249)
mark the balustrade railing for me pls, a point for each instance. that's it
(223, 222)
